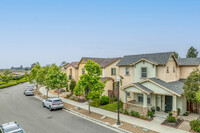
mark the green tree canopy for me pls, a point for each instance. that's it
(191, 85)
(90, 82)
(72, 85)
(55, 78)
(176, 55)
(33, 74)
(192, 52)
(6, 76)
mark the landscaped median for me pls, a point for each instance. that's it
(107, 120)
(11, 83)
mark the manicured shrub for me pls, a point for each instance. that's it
(179, 110)
(143, 117)
(171, 119)
(150, 113)
(137, 114)
(1, 83)
(195, 125)
(104, 100)
(125, 112)
(113, 99)
(95, 103)
(132, 113)
(153, 109)
(186, 114)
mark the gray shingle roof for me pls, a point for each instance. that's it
(143, 87)
(175, 86)
(159, 58)
(188, 61)
(103, 62)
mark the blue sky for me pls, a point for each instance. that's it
(52, 31)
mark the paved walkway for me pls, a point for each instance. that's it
(153, 125)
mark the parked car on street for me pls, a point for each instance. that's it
(53, 103)
(29, 92)
(11, 127)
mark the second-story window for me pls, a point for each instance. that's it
(167, 70)
(113, 71)
(144, 72)
(83, 70)
(174, 69)
(127, 70)
(70, 71)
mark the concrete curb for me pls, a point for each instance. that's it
(91, 119)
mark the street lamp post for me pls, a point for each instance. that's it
(118, 80)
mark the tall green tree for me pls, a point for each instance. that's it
(90, 82)
(33, 75)
(192, 52)
(56, 79)
(176, 55)
(191, 86)
(72, 85)
(6, 76)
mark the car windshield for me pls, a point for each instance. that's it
(57, 101)
(11, 129)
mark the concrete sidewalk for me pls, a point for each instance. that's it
(153, 125)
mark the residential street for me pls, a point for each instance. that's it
(30, 114)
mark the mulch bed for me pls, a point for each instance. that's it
(174, 125)
(149, 120)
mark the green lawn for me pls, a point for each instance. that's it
(111, 107)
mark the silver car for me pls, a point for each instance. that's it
(29, 87)
(11, 127)
(53, 103)
(29, 92)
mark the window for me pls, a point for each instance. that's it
(127, 70)
(174, 69)
(128, 94)
(70, 71)
(70, 77)
(167, 69)
(144, 72)
(113, 71)
(140, 98)
(83, 70)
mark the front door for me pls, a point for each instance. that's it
(168, 103)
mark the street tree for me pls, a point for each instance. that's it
(191, 86)
(90, 82)
(33, 75)
(176, 55)
(72, 85)
(56, 79)
(6, 76)
(192, 52)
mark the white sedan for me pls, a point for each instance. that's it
(53, 103)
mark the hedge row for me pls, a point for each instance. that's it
(12, 82)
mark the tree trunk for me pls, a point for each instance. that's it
(47, 92)
(89, 106)
(58, 93)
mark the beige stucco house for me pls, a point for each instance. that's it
(155, 80)
(109, 71)
(72, 71)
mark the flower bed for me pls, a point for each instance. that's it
(137, 115)
(172, 124)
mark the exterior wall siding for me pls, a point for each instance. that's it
(151, 70)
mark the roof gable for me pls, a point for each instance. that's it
(103, 62)
(158, 58)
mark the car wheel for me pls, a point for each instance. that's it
(50, 108)
(43, 104)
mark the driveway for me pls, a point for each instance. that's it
(29, 113)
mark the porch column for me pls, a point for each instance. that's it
(174, 107)
(154, 100)
(144, 109)
(125, 101)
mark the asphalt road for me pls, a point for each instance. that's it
(29, 113)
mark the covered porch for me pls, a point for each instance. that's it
(141, 99)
